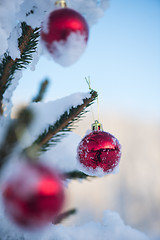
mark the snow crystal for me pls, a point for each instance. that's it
(13, 49)
(33, 12)
(63, 155)
(45, 23)
(8, 93)
(4, 44)
(35, 57)
(111, 228)
(98, 172)
(4, 123)
(68, 52)
(8, 20)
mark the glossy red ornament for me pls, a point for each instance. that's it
(61, 24)
(33, 196)
(98, 151)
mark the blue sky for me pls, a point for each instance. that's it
(122, 58)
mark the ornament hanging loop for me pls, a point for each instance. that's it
(98, 107)
(88, 82)
(89, 85)
(96, 126)
(62, 3)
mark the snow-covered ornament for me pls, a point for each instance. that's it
(98, 152)
(33, 196)
(65, 35)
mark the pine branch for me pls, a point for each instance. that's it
(14, 133)
(42, 90)
(65, 123)
(64, 215)
(76, 175)
(27, 44)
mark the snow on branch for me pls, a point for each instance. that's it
(27, 44)
(53, 133)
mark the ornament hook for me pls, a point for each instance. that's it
(62, 3)
(96, 126)
(88, 80)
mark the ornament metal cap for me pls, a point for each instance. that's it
(96, 126)
(62, 3)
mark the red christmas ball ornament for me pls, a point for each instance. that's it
(65, 34)
(33, 196)
(99, 152)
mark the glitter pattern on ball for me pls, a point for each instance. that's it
(99, 150)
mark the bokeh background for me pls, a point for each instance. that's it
(123, 61)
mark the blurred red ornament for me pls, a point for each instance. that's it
(99, 149)
(33, 196)
(61, 23)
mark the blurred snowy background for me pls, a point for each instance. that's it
(122, 59)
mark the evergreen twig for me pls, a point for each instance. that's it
(53, 134)
(27, 44)
(14, 133)
(64, 215)
(76, 175)
(42, 90)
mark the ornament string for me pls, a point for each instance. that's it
(98, 107)
(88, 81)
(89, 85)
